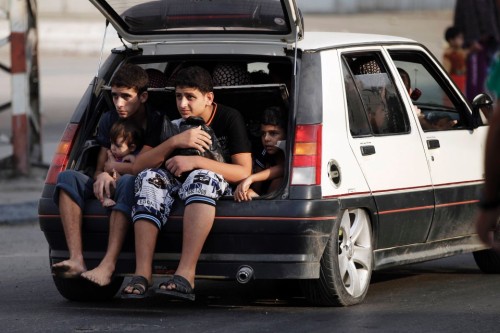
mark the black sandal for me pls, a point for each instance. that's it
(139, 283)
(182, 291)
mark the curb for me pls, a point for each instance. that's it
(19, 213)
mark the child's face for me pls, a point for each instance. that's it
(458, 41)
(270, 135)
(120, 148)
(191, 102)
(127, 101)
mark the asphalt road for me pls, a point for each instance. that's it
(447, 295)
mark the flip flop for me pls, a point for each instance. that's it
(182, 291)
(139, 283)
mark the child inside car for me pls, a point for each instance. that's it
(269, 164)
(126, 142)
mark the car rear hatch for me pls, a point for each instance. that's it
(191, 21)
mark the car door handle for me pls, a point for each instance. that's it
(367, 150)
(433, 144)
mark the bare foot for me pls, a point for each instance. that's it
(108, 202)
(68, 269)
(100, 275)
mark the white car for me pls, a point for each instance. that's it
(377, 175)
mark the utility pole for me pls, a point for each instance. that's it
(25, 105)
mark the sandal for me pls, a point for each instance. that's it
(182, 289)
(138, 283)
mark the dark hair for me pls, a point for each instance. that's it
(451, 32)
(194, 77)
(405, 77)
(127, 129)
(275, 116)
(131, 76)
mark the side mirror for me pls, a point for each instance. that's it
(481, 103)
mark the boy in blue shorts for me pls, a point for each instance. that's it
(73, 188)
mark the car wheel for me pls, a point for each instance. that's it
(83, 291)
(488, 261)
(346, 264)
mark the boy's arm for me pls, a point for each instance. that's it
(154, 157)
(102, 157)
(102, 179)
(239, 168)
(271, 173)
(126, 166)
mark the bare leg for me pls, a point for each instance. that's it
(146, 234)
(102, 274)
(197, 223)
(71, 217)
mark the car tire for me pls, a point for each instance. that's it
(488, 261)
(346, 264)
(81, 290)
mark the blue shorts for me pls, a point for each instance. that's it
(157, 189)
(80, 188)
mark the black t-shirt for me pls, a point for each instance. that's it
(230, 130)
(151, 134)
(264, 160)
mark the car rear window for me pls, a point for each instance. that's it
(159, 17)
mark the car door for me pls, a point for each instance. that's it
(388, 149)
(454, 148)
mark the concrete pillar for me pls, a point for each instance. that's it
(24, 70)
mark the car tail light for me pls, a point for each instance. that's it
(306, 159)
(61, 156)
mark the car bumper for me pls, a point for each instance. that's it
(284, 241)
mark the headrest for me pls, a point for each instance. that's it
(157, 78)
(231, 74)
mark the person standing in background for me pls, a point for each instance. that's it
(455, 56)
(478, 20)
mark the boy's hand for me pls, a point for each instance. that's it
(110, 163)
(243, 191)
(102, 186)
(194, 138)
(245, 196)
(177, 165)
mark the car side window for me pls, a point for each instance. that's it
(438, 107)
(374, 107)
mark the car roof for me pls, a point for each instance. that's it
(314, 40)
